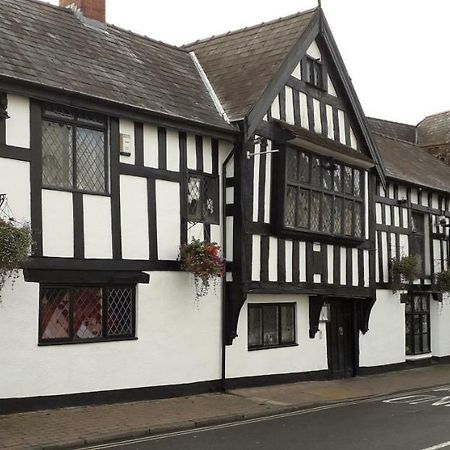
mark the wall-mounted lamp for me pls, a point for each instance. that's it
(443, 222)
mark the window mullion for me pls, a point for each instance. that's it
(105, 298)
(71, 310)
(74, 157)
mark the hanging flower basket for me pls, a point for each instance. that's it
(15, 243)
(443, 281)
(404, 270)
(203, 260)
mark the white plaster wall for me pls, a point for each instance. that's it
(173, 150)
(384, 343)
(314, 51)
(150, 146)
(309, 355)
(440, 329)
(134, 217)
(168, 219)
(18, 124)
(167, 351)
(15, 182)
(57, 223)
(97, 226)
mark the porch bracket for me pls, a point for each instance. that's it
(315, 307)
(234, 301)
(364, 314)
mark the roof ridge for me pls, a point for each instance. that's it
(252, 27)
(396, 139)
(391, 121)
(433, 115)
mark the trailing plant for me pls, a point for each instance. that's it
(404, 270)
(15, 243)
(443, 280)
(203, 260)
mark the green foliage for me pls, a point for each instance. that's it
(405, 269)
(203, 260)
(15, 243)
(443, 280)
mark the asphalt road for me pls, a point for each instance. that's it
(402, 422)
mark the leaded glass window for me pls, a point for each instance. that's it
(323, 196)
(271, 325)
(77, 314)
(73, 150)
(203, 198)
(417, 324)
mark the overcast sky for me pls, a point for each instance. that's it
(396, 51)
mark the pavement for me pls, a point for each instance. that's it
(82, 426)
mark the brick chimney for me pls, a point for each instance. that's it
(92, 9)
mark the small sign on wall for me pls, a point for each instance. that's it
(125, 144)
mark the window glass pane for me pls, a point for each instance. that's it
(417, 344)
(90, 151)
(408, 325)
(425, 343)
(418, 250)
(194, 202)
(57, 155)
(338, 179)
(315, 211)
(327, 179)
(54, 314)
(348, 217)
(409, 345)
(338, 202)
(210, 199)
(326, 213)
(304, 161)
(417, 303)
(58, 112)
(408, 305)
(293, 157)
(425, 323)
(358, 219)
(270, 319)
(357, 175)
(418, 224)
(287, 324)
(87, 313)
(348, 180)
(290, 208)
(254, 326)
(303, 208)
(315, 172)
(120, 312)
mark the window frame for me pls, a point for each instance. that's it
(104, 338)
(280, 200)
(215, 179)
(409, 299)
(317, 67)
(421, 234)
(261, 306)
(76, 123)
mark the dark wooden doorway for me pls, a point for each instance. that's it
(341, 338)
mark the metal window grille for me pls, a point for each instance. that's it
(203, 198)
(74, 150)
(76, 314)
(329, 195)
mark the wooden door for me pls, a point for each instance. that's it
(341, 340)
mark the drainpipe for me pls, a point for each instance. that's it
(224, 281)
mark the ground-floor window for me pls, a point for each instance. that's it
(271, 325)
(417, 311)
(80, 314)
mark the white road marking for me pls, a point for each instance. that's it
(436, 447)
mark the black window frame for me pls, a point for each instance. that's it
(313, 72)
(202, 218)
(410, 313)
(56, 114)
(326, 164)
(416, 236)
(261, 307)
(105, 337)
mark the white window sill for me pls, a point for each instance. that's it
(419, 357)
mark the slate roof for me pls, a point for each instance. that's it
(240, 64)
(409, 162)
(434, 129)
(50, 46)
(401, 131)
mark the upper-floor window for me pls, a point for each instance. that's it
(417, 239)
(203, 198)
(313, 72)
(323, 196)
(74, 150)
(80, 314)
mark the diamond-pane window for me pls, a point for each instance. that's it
(338, 202)
(348, 217)
(293, 164)
(315, 172)
(290, 209)
(203, 198)
(304, 164)
(303, 208)
(358, 221)
(326, 213)
(348, 180)
(73, 150)
(357, 181)
(86, 313)
(315, 211)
